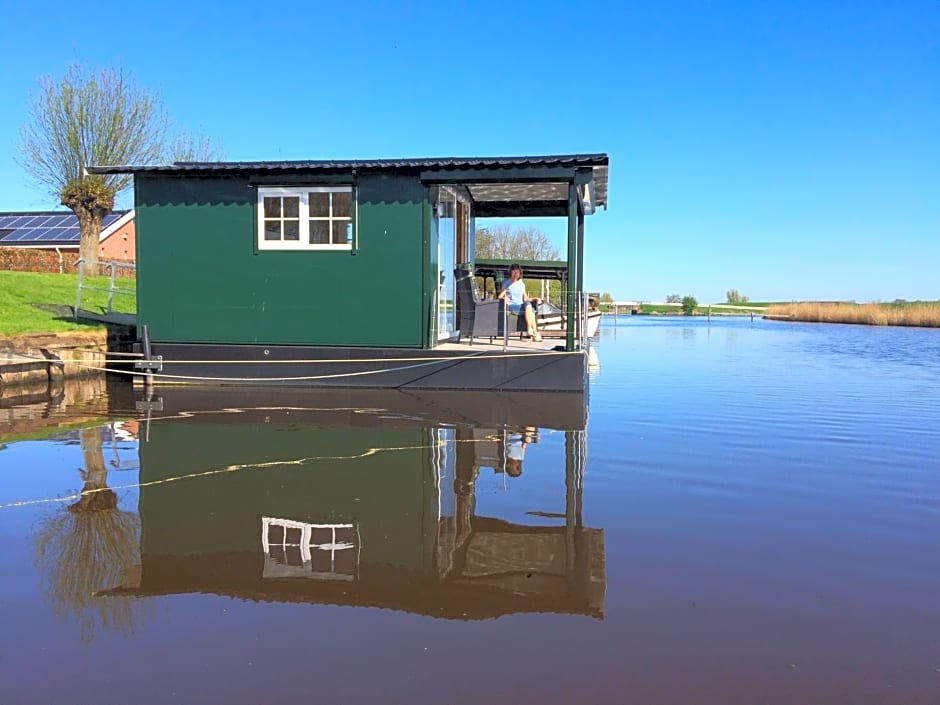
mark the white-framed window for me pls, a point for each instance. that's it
(296, 549)
(305, 217)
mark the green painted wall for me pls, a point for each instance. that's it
(390, 494)
(201, 278)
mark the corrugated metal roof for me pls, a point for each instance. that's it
(563, 160)
(598, 162)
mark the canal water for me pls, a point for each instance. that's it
(750, 514)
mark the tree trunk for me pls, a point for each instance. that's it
(96, 495)
(89, 228)
(90, 199)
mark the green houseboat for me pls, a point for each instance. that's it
(345, 273)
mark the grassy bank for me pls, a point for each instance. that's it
(32, 302)
(918, 313)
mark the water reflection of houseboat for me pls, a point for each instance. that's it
(291, 500)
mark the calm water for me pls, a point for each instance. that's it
(752, 515)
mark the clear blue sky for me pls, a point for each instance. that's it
(790, 150)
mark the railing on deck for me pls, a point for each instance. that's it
(96, 266)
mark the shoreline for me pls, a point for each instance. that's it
(33, 360)
(908, 315)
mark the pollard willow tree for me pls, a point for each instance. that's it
(86, 119)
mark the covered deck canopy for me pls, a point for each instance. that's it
(553, 270)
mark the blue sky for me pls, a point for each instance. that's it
(790, 150)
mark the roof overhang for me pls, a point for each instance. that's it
(533, 269)
(499, 186)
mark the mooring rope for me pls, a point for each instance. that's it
(425, 362)
(326, 361)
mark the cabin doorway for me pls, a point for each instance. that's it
(452, 220)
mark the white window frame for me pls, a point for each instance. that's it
(301, 192)
(273, 569)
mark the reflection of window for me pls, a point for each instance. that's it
(305, 218)
(294, 549)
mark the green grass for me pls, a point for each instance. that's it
(33, 302)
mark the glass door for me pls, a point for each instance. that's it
(446, 215)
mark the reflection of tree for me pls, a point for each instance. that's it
(88, 547)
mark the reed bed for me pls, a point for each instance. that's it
(923, 314)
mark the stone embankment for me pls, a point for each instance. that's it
(32, 360)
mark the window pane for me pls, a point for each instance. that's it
(272, 230)
(319, 232)
(322, 561)
(345, 534)
(275, 533)
(292, 230)
(272, 207)
(321, 535)
(340, 235)
(294, 556)
(341, 204)
(344, 561)
(319, 205)
(292, 206)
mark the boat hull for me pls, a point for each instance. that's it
(555, 321)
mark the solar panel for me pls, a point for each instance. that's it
(47, 228)
(58, 235)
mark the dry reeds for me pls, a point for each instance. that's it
(924, 314)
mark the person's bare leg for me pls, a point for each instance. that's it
(531, 324)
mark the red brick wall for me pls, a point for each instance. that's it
(22, 259)
(119, 245)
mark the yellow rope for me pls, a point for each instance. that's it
(234, 468)
(425, 361)
(440, 358)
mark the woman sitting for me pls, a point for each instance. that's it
(513, 291)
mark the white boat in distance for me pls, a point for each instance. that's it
(550, 317)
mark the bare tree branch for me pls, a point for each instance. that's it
(187, 147)
(506, 242)
(88, 119)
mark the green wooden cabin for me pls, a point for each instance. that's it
(334, 253)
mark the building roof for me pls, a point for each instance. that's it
(598, 163)
(532, 269)
(51, 228)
